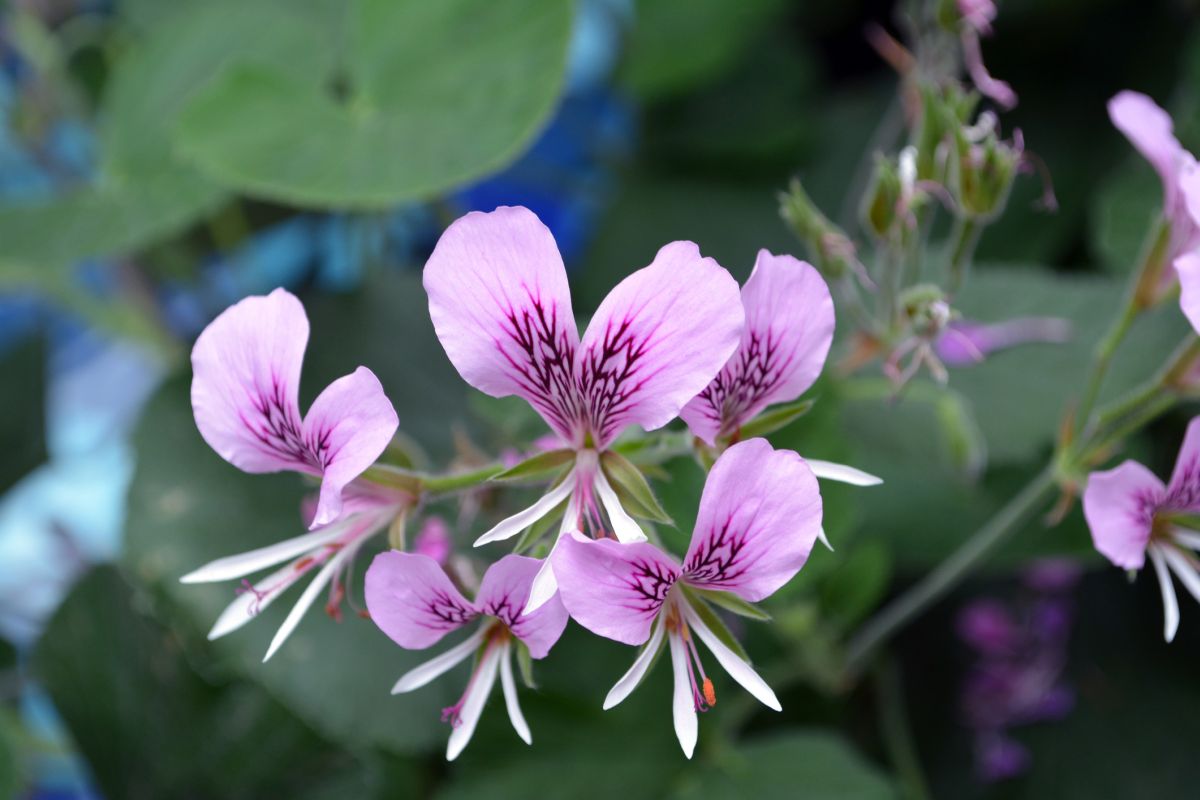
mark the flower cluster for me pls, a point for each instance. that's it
(675, 339)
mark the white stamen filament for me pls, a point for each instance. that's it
(631, 679)
(437, 666)
(1170, 601)
(509, 686)
(738, 669)
(472, 707)
(518, 522)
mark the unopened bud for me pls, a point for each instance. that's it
(983, 173)
(829, 247)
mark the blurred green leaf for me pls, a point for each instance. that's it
(1124, 210)
(187, 507)
(857, 584)
(431, 95)
(1019, 396)
(809, 764)
(671, 52)
(148, 725)
(142, 193)
(22, 412)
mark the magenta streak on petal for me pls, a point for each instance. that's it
(650, 584)
(278, 430)
(545, 371)
(1184, 492)
(447, 609)
(607, 376)
(757, 372)
(716, 559)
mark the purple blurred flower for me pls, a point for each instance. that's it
(1017, 677)
(964, 343)
(434, 540)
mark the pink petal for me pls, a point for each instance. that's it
(1119, 506)
(501, 307)
(759, 516)
(657, 340)
(503, 594)
(612, 589)
(412, 600)
(1151, 131)
(1183, 492)
(245, 381)
(348, 427)
(788, 331)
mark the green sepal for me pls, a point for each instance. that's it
(631, 487)
(732, 603)
(538, 529)
(525, 665)
(777, 418)
(394, 478)
(537, 467)
(714, 623)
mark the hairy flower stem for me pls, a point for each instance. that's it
(963, 240)
(931, 588)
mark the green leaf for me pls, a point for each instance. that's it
(856, 585)
(22, 413)
(537, 467)
(731, 602)
(431, 96)
(786, 765)
(631, 487)
(148, 724)
(776, 418)
(143, 192)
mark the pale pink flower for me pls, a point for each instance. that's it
(1132, 514)
(501, 307)
(413, 601)
(759, 515)
(434, 540)
(787, 334)
(246, 380)
(963, 343)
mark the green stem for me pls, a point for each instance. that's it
(935, 585)
(461, 480)
(1102, 358)
(964, 238)
(897, 736)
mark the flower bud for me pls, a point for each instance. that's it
(831, 250)
(983, 170)
(882, 198)
(944, 110)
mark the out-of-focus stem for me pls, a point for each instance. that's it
(963, 240)
(897, 734)
(931, 588)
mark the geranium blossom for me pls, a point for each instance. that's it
(786, 338)
(414, 602)
(759, 515)
(1132, 515)
(501, 307)
(246, 380)
(1150, 129)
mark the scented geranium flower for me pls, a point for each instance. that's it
(759, 515)
(246, 379)
(1149, 129)
(786, 338)
(414, 602)
(501, 307)
(1132, 515)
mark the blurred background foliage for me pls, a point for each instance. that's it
(160, 160)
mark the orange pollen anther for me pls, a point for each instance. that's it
(710, 694)
(304, 563)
